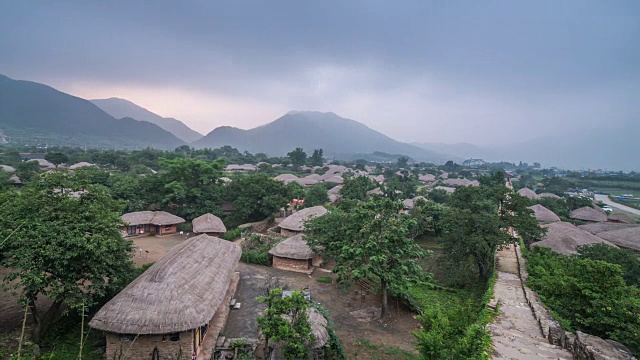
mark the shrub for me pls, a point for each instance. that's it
(232, 234)
(324, 279)
(260, 258)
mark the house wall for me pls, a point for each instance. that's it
(316, 261)
(142, 346)
(168, 229)
(288, 233)
(290, 264)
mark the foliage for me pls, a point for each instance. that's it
(587, 295)
(285, 320)
(315, 195)
(255, 198)
(438, 196)
(428, 216)
(255, 257)
(297, 157)
(355, 188)
(66, 247)
(557, 185)
(371, 241)
(399, 187)
(403, 162)
(627, 259)
(324, 279)
(334, 349)
(316, 158)
(232, 234)
(576, 202)
(379, 352)
(56, 158)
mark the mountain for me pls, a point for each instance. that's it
(606, 147)
(337, 136)
(120, 108)
(29, 109)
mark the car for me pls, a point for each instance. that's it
(607, 208)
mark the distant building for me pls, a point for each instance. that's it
(150, 223)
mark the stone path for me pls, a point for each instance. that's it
(516, 333)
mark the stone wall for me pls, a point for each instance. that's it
(291, 264)
(141, 347)
(259, 226)
(582, 346)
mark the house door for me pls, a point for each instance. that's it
(131, 230)
(158, 229)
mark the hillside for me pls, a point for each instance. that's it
(310, 130)
(29, 109)
(120, 108)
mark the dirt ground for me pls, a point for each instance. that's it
(350, 326)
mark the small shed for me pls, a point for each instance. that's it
(544, 215)
(294, 254)
(294, 223)
(208, 224)
(150, 222)
(587, 213)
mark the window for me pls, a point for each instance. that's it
(147, 227)
(168, 228)
(131, 230)
(174, 337)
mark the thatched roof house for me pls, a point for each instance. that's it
(294, 223)
(544, 215)
(588, 213)
(564, 238)
(240, 168)
(528, 193)
(377, 178)
(7, 168)
(302, 181)
(318, 324)
(336, 179)
(14, 179)
(177, 304)
(151, 222)
(462, 182)
(597, 228)
(549, 195)
(628, 237)
(335, 190)
(80, 164)
(285, 177)
(445, 188)
(376, 191)
(294, 254)
(410, 203)
(427, 178)
(208, 224)
(45, 164)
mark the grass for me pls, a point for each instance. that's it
(380, 352)
(324, 279)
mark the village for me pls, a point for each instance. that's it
(224, 251)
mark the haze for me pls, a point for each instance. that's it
(478, 72)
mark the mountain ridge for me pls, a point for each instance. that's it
(120, 108)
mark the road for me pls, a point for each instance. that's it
(605, 199)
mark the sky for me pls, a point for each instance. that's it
(480, 72)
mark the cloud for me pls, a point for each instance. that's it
(418, 71)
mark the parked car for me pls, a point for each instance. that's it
(607, 208)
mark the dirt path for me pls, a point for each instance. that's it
(516, 333)
(605, 199)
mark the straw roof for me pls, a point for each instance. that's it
(80, 164)
(44, 163)
(295, 221)
(378, 178)
(410, 203)
(447, 189)
(627, 237)
(334, 197)
(427, 178)
(208, 223)
(318, 327)
(151, 217)
(293, 248)
(597, 228)
(335, 190)
(315, 177)
(544, 215)
(181, 291)
(7, 168)
(225, 179)
(285, 177)
(564, 238)
(528, 193)
(588, 213)
(376, 191)
(15, 179)
(335, 179)
(462, 182)
(549, 195)
(236, 167)
(302, 181)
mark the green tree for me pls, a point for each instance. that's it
(190, 187)
(56, 158)
(286, 320)
(315, 195)
(356, 187)
(255, 197)
(372, 241)
(62, 240)
(627, 259)
(27, 170)
(316, 158)
(403, 162)
(438, 196)
(297, 157)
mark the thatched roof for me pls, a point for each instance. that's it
(285, 177)
(335, 190)
(293, 248)
(549, 195)
(376, 191)
(410, 203)
(236, 167)
(528, 193)
(447, 189)
(151, 217)
(44, 163)
(462, 182)
(208, 223)
(544, 215)
(588, 213)
(80, 164)
(7, 168)
(427, 178)
(378, 178)
(333, 198)
(225, 179)
(628, 237)
(564, 238)
(318, 327)
(15, 179)
(302, 181)
(181, 291)
(315, 177)
(295, 221)
(337, 179)
(597, 228)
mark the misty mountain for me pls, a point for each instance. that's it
(29, 109)
(311, 130)
(120, 108)
(607, 147)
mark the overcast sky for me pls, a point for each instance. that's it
(465, 71)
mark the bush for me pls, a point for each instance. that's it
(324, 279)
(232, 234)
(260, 258)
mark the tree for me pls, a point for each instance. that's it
(315, 195)
(255, 197)
(372, 241)
(356, 187)
(286, 320)
(297, 157)
(56, 158)
(63, 242)
(316, 158)
(438, 196)
(403, 162)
